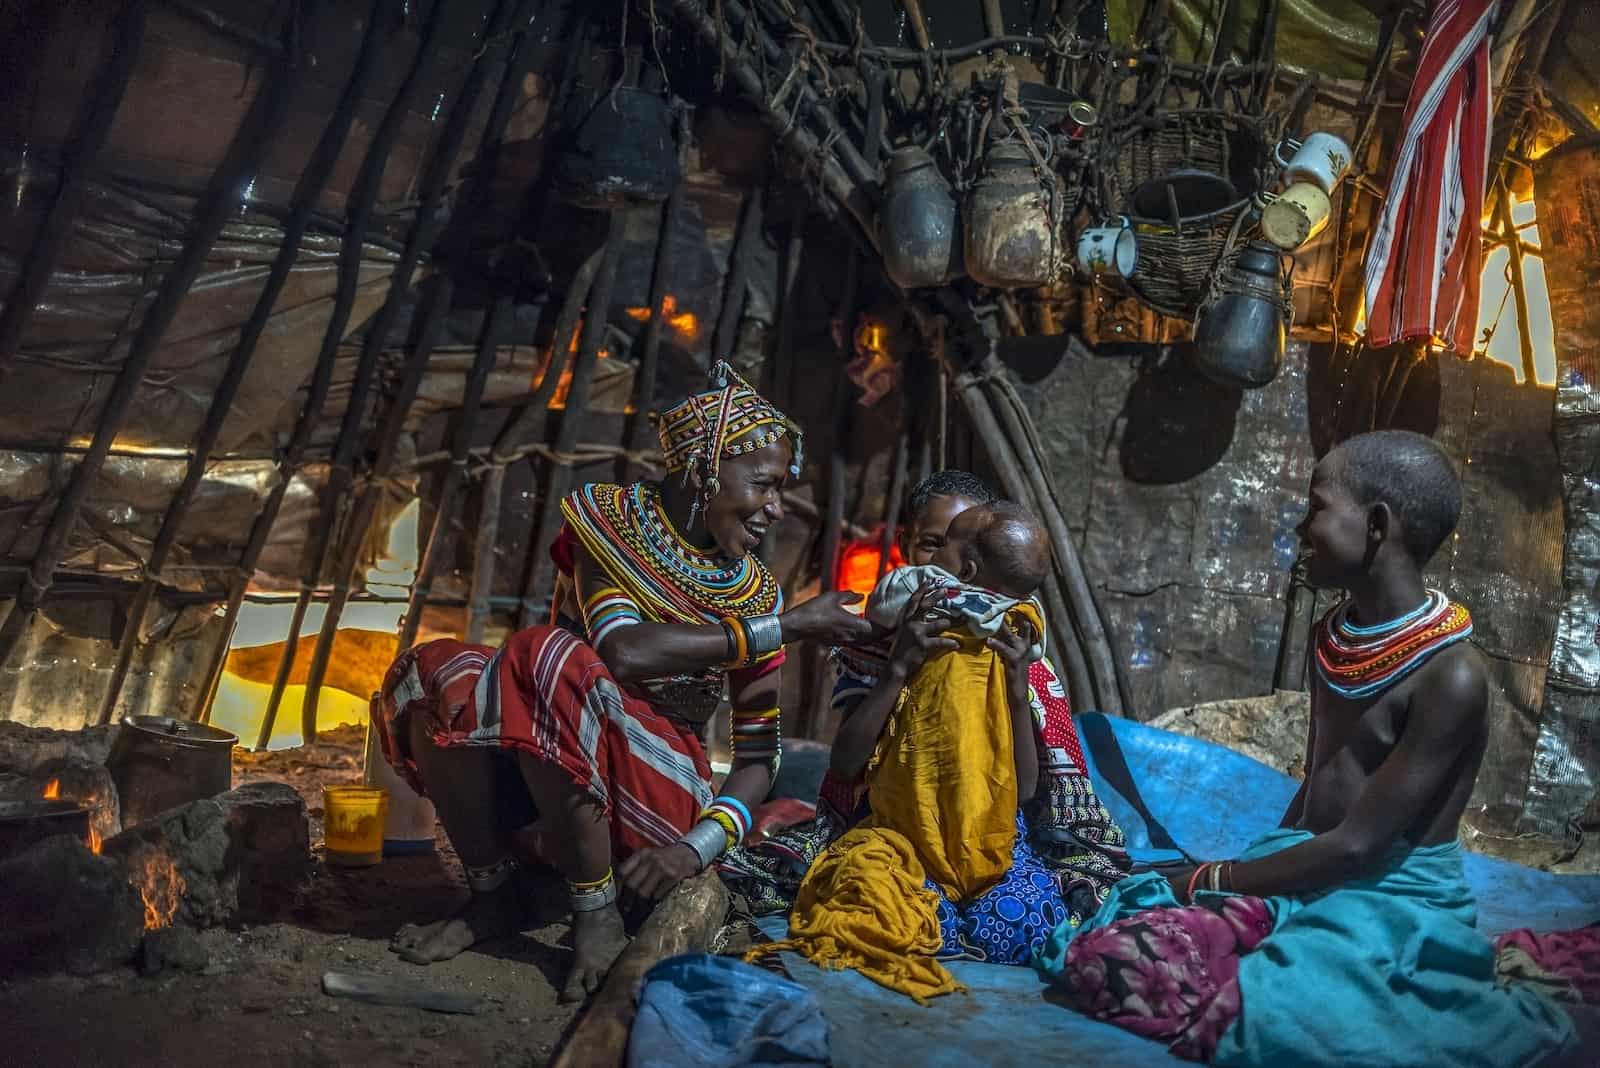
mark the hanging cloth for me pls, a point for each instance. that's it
(1426, 256)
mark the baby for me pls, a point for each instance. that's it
(994, 558)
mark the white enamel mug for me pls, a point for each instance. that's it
(1109, 249)
(1322, 159)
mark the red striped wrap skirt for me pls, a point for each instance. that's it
(548, 694)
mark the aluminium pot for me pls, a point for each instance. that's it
(159, 762)
(918, 222)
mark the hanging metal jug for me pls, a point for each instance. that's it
(1011, 239)
(919, 226)
(620, 145)
(1239, 336)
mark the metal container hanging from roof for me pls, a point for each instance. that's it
(1239, 338)
(621, 146)
(1011, 240)
(919, 223)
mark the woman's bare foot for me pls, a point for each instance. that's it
(493, 914)
(597, 938)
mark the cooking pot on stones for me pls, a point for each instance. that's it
(23, 823)
(159, 762)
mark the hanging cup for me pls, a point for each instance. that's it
(1322, 159)
(1295, 216)
(1109, 249)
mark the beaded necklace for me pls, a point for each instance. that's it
(1357, 661)
(628, 533)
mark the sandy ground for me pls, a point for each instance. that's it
(260, 1001)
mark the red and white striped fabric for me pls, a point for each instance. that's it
(546, 693)
(1426, 254)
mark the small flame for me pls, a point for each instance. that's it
(94, 839)
(160, 885)
(685, 324)
(52, 789)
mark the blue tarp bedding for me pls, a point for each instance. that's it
(1172, 795)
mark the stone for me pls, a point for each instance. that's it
(236, 857)
(173, 949)
(24, 748)
(1271, 729)
(67, 909)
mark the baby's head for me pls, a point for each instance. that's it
(998, 546)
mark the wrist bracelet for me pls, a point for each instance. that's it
(1194, 879)
(593, 896)
(733, 643)
(741, 639)
(491, 877)
(765, 635)
(708, 839)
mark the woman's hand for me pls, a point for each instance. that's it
(824, 618)
(919, 635)
(653, 872)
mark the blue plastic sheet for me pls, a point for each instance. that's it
(700, 1011)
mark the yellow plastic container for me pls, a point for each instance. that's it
(352, 824)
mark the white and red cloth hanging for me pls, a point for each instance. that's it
(1426, 255)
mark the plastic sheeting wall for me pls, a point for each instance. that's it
(1184, 496)
(1567, 757)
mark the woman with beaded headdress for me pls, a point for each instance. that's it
(661, 606)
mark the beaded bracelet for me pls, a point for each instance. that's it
(592, 896)
(731, 815)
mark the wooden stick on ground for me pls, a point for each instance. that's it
(684, 922)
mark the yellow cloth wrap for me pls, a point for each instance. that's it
(945, 773)
(863, 906)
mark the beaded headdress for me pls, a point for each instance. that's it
(729, 419)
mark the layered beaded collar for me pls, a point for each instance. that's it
(1360, 661)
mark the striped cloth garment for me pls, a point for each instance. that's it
(1425, 256)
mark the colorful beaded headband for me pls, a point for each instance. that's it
(730, 419)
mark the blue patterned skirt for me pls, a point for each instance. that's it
(1007, 922)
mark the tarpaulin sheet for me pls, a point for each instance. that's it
(1163, 788)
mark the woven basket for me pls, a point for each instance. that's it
(1221, 144)
(1175, 264)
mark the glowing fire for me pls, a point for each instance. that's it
(161, 887)
(94, 839)
(685, 324)
(52, 789)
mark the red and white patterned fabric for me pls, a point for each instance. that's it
(547, 693)
(1426, 256)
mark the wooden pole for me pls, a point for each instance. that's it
(1519, 289)
(483, 559)
(994, 23)
(897, 489)
(341, 473)
(778, 382)
(559, 481)
(637, 433)
(529, 423)
(366, 508)
(83, 147)
(685, 921)
(919, 25)
(738, 277)
(307, 192)
(444, 511)
(359, 206)
(216, 207)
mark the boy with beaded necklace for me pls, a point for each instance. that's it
(1357, 902)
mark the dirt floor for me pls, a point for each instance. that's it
(259, 1002)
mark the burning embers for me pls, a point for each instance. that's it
(160, 886)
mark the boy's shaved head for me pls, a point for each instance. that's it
(1411, 474)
